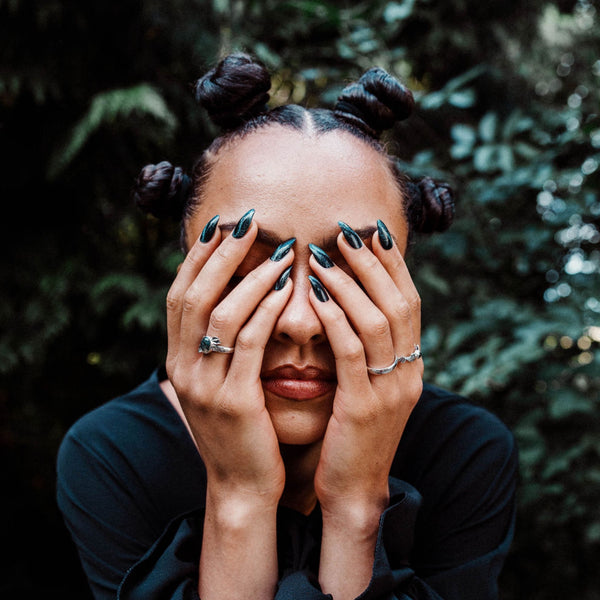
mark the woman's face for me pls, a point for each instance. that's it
(300, 186)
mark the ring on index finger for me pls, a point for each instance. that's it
(398, 360)
(210, 344)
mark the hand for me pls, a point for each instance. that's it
(221, 394)
(367, 327)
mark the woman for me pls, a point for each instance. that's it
(291, 449)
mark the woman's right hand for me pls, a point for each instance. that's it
(221, 394)
(222, 398)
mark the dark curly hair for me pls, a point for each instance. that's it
(235, 95)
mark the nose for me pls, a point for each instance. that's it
(298, 323)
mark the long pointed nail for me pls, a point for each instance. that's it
(385, 238)
(351, 236)
(209, 230)
(280, 284)
(318, 289)
(243, 224)
(321, 256)
(282, 249)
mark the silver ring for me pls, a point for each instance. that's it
(383, 370)
(213, 344)
(416, 353)
(398, 360)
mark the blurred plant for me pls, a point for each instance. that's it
(507, 110)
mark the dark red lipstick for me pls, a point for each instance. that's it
(298, 383)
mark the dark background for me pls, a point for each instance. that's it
(507, 109)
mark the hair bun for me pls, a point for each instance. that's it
(375, 102)
(161, 190)
(432, 205)
(236, 90)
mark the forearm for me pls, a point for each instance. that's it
(347, 550)
(239, 550)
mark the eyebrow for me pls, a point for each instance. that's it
(270, 238)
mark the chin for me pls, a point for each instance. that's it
(299, 425)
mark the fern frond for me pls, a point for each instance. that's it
(108, 108)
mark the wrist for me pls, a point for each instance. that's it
(348, 546)
(236, 509)
(239, 542)
(353, 517)
(357, 506)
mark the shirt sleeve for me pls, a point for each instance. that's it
(169, 570)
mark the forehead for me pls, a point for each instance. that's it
(299, 182)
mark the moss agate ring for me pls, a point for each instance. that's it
(213, 344)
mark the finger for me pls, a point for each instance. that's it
(186, 273)
(347, 348)
(229, 316)
(203, 293)
(246, 361)
(368, 321)
(394, 263)
(390, 287)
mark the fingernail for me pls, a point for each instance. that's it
(282, 249)
(351, 236)
(321, 256)
(318, 289)
(280, 284)
(209, 230)
(385, 239)
(243, 224)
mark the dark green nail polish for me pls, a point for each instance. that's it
(318, 289)
(243, 225)
(385, 239)
(280, 284)
(209, 230)
(351, 236)
(321, 256)
(282, 249)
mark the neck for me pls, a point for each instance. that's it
(300, 466)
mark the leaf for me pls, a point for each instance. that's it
(566, 403)
(515, 124)
(148, 313)
(493, 157)
(107, 108)
(116, 286)
(488, 127)
(467, 77)
(464, 137)
(483, 159)
(462, 99)
(398, 11)
(526, 151)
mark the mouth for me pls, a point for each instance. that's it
(299, 383)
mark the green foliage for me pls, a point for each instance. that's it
(108, 108)
(507, 110)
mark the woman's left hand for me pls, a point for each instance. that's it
(367, 327)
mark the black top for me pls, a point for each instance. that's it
(131, 487)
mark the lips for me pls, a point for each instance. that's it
(299, 383)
